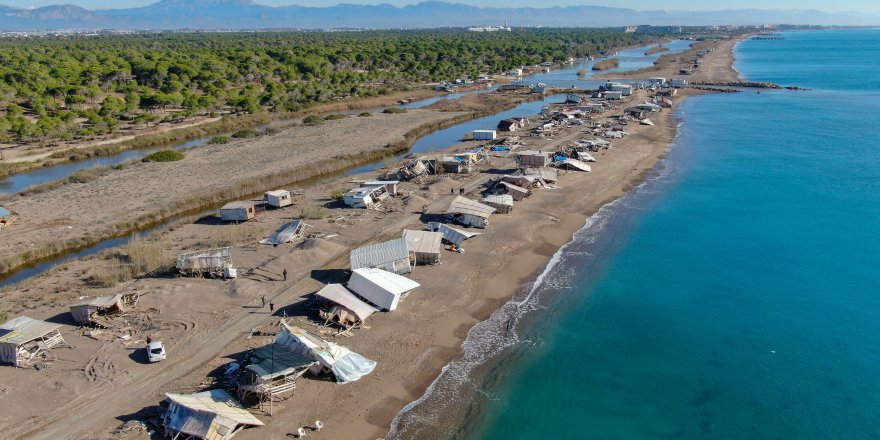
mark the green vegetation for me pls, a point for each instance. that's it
(81, 87)
(310, 212)
(313, 120)
(246, 133)
(164, 156)
(334, 117)
(337, 193)
(365, 114)
(394, 110)
(218, 140)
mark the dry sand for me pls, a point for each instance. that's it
(90, 390)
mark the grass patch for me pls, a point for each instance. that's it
(334, 117)
(611, 63)
(311, 212)
(219, 140)
(164, 156)
(337, 193)
(312, 120)
(246, 133)
(365, 114)
(394, 110)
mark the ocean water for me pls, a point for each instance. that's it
(734, 295)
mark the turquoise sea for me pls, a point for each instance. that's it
(734, 295)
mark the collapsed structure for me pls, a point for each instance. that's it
(23, 339)
(469, 212)
(393, 256)
(381, 288)
(347, 310)
(345, 365)
(95, 310)
(214, 262)
(210, 415)
(273, 373)
(292, 232)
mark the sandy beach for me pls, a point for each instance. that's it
(103, 383)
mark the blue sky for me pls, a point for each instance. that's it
(823, 5)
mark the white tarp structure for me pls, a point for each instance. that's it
(365, 197)
(274, 372)
(573, 164)
(212, 261)
(289, 233)
(470, 212)
(349, 309)
(452, 235)
(346, 365)
(585, 157)
(210, 415)
(382, 288)
(84, 311)
(393, 256)
(426, 245)
(23, 338)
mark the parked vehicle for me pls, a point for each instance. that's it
(156, 351)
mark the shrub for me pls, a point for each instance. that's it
(582, 72)
(146, 257)
(312, 120)
(310, 212)
(394, 110)
(108, 276)
(334, 117)
(337, 193)
(610, 63)
(246, 133)
(365, 114)
(217, 140)
(164, 156)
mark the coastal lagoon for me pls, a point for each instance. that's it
(733, 295)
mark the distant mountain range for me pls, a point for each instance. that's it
(245, 14)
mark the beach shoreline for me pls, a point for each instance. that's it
(414, 344)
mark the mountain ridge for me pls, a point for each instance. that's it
(247, 14)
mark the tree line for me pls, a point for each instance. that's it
(62, 88)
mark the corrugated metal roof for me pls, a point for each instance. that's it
(546, 173)
(23, 329)
(338, 294)
(574, 164)
(462, 205)
(379, 254)
(285, 234)
(503, 199)
(516, 188)
(276, 359)
(423, 242)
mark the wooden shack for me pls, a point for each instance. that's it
(240, 211)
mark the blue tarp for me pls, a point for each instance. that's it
(4, 212)
(560, 158)
(500, 148)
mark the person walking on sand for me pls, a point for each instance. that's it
(271, 307)
(263, 298)
(284, 272)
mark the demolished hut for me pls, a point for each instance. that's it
(23, 339)
(546, 174)
(345, 365)
(365, 197)
(210, 415)
(393, 256)
(213, 262)
(425, 245)
(412, 170)
(584, 156)
(531, 158)
(238, 211)
(452, 235)
(572, 164)
(522, 181)
(381, 288)
(273, 372)
(390, 185)
(94, 310)
(517, 192)
(348, 310)
(293, 232)
(503, 204)
(469, 212)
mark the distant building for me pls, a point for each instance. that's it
(504, 28)
(646, 29)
